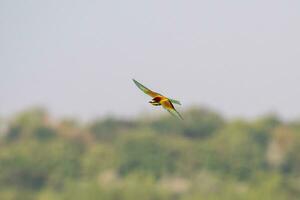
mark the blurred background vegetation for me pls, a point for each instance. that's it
(203, 157)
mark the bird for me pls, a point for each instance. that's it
(160, 100)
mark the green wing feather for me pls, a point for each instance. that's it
(175, 101)
(144, 89)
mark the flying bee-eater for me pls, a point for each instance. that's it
(160, 100)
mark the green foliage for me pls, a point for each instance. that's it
(44, 133)
(235, 151)
(144, 153)
(202, 157)
(13, 133)
(108, 128)
(201, 123)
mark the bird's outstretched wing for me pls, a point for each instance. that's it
(145, 90)
(175, 101)
(170, 108)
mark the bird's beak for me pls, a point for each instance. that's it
(152, 102)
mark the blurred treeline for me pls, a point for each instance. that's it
(203, 157)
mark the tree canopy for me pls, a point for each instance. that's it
(206, 156)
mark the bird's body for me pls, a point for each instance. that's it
(160, 100)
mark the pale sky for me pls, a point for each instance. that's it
(77, 58)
